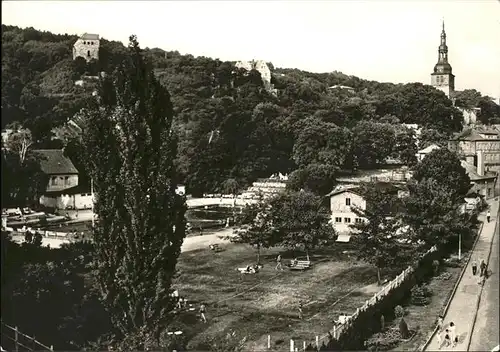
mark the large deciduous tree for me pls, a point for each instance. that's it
(444, 166)
(434, 216)
(378, 236)
(261, 232)
(301, 219)
(129, 149)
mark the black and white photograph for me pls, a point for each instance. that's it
(250, 175)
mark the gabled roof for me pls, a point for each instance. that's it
(54, 162)
(343, 188)
(429, 149)
(356, 188)
(472, 172)
(89, 36)
(475, 134)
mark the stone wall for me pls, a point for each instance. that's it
(366, 320)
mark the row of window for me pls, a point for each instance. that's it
(88, 43)
(348, 220)
(54, 181)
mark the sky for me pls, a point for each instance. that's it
(387, 41)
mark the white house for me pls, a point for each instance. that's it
(344, 198)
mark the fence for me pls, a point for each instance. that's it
(339, 330)
(11, 336)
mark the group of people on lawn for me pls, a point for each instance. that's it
(182, 303)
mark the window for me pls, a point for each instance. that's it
(84, 42)
(66, 180)
(347, 220)
(88, 52)
(348, 201)
(358, 220)
(53, 181)
(338, 219)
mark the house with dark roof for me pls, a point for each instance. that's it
(59, 168)
(63, 191)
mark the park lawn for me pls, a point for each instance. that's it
(266, 303)
(425, 316)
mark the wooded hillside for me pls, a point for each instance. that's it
(229, 126)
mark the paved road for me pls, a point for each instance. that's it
(486, 334)
(463, 305)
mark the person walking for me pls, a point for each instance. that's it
(278, 263)
(440, 325)
(453, 334)
(202, 313)
(482, 266)
(488, 216)
(474, 268)
(300, 310)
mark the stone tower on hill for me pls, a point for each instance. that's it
(442, 78)
(262, 67)
(87, 46)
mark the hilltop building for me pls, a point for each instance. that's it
(262, 67)
(87, 46)
(442, 78)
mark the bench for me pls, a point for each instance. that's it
(215, 247)
(301, 265)
(245, 271)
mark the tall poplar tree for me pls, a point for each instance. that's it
(129, 151)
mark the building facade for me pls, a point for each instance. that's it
(342, 200)
(87, 46)
(63, 191)
(442, 78)
(478, 139)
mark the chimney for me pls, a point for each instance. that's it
(480, 163)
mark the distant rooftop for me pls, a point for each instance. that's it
(472, 172)
(474, 134)
(89, 36)
(429, 149)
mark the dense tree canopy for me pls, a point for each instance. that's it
(229, 125)
(444, 166)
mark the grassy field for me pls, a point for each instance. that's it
(255, 305)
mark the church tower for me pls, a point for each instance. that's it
(442, 78)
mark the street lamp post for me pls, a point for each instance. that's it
(92, 199)
(459, 246)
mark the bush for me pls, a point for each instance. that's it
(420, 295)
(435, 266)
(453, 262)
(399, 311)
(444, 276)
(383, 341)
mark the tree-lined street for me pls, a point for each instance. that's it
(463, 305)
